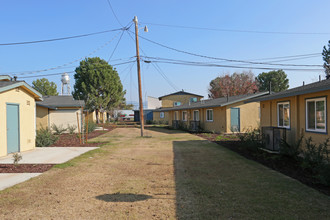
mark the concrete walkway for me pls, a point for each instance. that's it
(53, 155)
(46, 155)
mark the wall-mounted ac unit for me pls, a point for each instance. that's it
(272, 137)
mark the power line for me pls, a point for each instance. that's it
(61, 38)
(79, 59)
(190, 63)
(52, 74)
(116, 46)
(158, 70)
(113, 12)
(238, 31)
(66, 67)
(223, 59)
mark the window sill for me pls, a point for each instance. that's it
(316, 132)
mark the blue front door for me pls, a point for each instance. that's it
(12, 128)
(234, 120)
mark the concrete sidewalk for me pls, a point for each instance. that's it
(53, 155)
(46, 155)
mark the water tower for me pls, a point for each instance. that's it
(65, 79)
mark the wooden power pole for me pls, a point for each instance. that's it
(139, 74)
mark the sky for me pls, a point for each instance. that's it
(234, 30)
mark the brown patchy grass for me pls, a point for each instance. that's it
(170, 175)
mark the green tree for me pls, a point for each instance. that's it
(98, 84)
(278, 78)
(326, 59)
(45, 87)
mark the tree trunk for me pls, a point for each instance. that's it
(97, 116)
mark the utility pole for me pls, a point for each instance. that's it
(139, 74)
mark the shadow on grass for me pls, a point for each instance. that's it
(123, 197)
(197, 190)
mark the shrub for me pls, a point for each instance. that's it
(71, 129)
(251, 139)
(45, 138)
(16, 158)
(58, 129)
(91, 126)
(315, 157)
(293, 151)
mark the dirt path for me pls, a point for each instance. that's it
(127, 179)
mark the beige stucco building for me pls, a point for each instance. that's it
(17, 116)
(302, 111)
(59, 110)
(171, 100)
(221, 115)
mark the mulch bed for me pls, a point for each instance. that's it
(282, 164)
(72, 140)
(25, 168)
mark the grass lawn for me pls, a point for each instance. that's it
(172, 175)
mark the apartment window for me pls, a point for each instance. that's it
(283, 114)
(176, 115)
(177, 103)
(161, 115)
(184, 116)
(209, 115)
(196, 115)
(193, 99)
(316, 115)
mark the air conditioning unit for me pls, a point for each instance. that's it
(272, 137)
(175, 124)
(194, 125)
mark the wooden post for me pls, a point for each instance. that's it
(87, 127)
(139, 74)
(78, 127)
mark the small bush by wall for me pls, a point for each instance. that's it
(45, 138)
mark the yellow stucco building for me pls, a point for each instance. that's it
(59, 110)
(17, 116)
(171, 100)
(301, 111)
(221, 115)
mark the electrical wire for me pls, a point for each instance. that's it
(158, 70)
(52, 74)
(190, 63)
(77, 60)
(113, 12)
(223, 59)
(116, 46)
(237, 30)
(58, 39)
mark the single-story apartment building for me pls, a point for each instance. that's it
(301, 111)
(59, 110)
(17, 116)
(220, 115)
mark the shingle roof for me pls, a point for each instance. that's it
(60, 101)
(180, 93)
(219, 102)
(309, 88)
(8, 85)
(5, 77)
